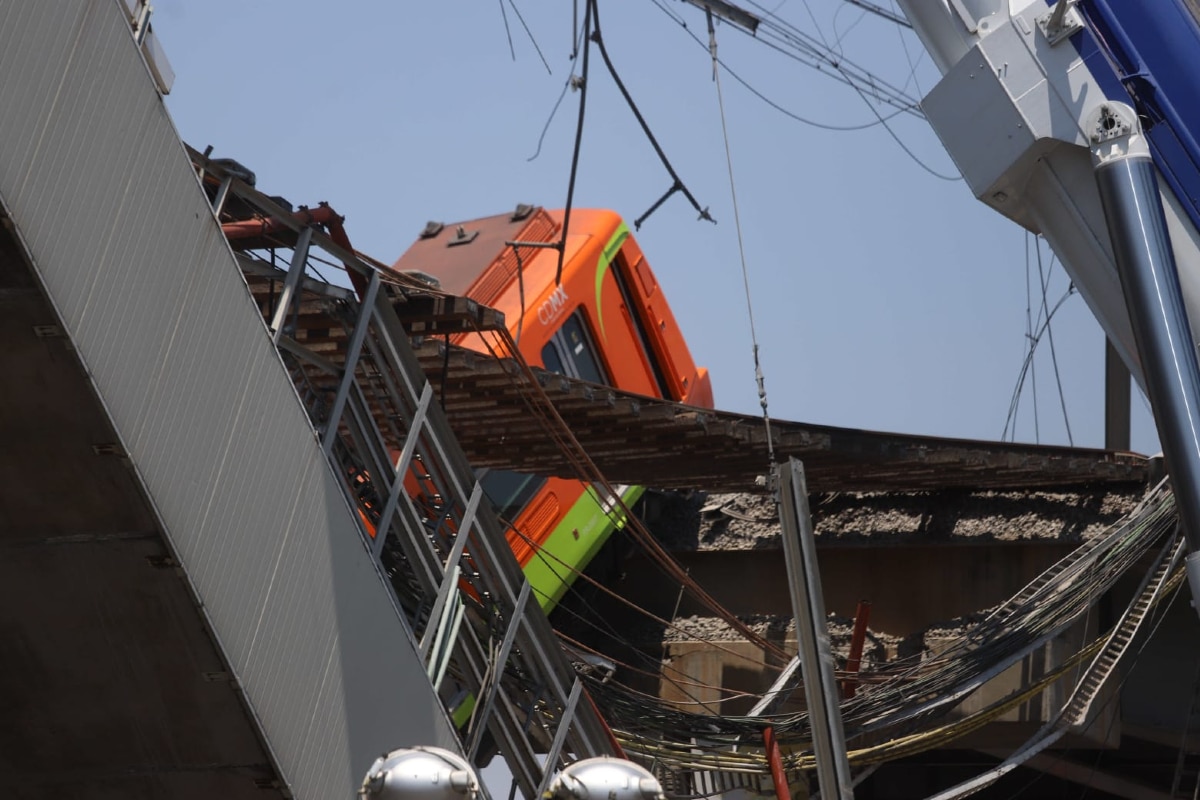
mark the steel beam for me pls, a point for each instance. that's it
(362, 325)
(812, 633)
(295, 272)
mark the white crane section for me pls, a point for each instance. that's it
(1034, 133)
(1012, 111)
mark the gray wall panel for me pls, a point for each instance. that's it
(102, 194)
(53, 189)
(264, 470)
(373, 693)
(188, 427)
(33, 64)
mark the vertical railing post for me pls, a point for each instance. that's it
(361, 326)
(294, 273)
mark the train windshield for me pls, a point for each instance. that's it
(570, 352)
(509, 491)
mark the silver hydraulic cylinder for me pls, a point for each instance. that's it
(1128, 185)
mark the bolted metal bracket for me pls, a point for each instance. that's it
(1108, 122)
(1062, 21)
(1114, 132)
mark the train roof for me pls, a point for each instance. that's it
(457, 253)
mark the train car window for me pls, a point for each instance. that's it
(570, 352)
(551, 361)
(509, 491)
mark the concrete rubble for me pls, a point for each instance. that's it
(715, 523)
(722, 522)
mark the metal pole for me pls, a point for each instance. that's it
(779, 692)
(352, 352)
(775, 759)
(854, 660)
(560, 737)
(489, 698)
(1117, 405)
(812, 633)
(295, 271)
(1128, 184)
(222, 194)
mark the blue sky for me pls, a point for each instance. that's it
(883, 297)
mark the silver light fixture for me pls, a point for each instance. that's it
(420, 773)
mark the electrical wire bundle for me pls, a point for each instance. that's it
(912, 697)
(895, 700)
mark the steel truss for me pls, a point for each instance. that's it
(491, 655)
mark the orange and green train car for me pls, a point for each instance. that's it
(607, 322)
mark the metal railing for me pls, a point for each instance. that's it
(490, 654)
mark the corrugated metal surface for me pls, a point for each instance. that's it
(101, 193)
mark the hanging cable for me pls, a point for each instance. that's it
(1062, 399)
(802, 47)
(912, 65)
(1014, 402)
(1037, 431)
(529, 33)
(895, 136)
(678, 185)
(567, 84)
(540, 405)
(581, 85)
(737, 224)
(839, 37)
(574, 28)
(789, 40)
(1028, 341)
(520, 290)
(508, 31)
(750, 88)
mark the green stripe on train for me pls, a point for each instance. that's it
(548, 578)
(576, 540)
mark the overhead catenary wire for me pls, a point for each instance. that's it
(912, 65)
(840, 35)
(761, 96)
(581, 85)
(576, 38)
(880, 11)
(592, 34)
(793, 42)
(858, 79)
(508, 31)
(1014, 402)
(1044, 279)
(1037, 326)
(678, 184)
(820, 55)
(759, 379)
(529, 33)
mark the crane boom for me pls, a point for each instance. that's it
(1079, 121)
